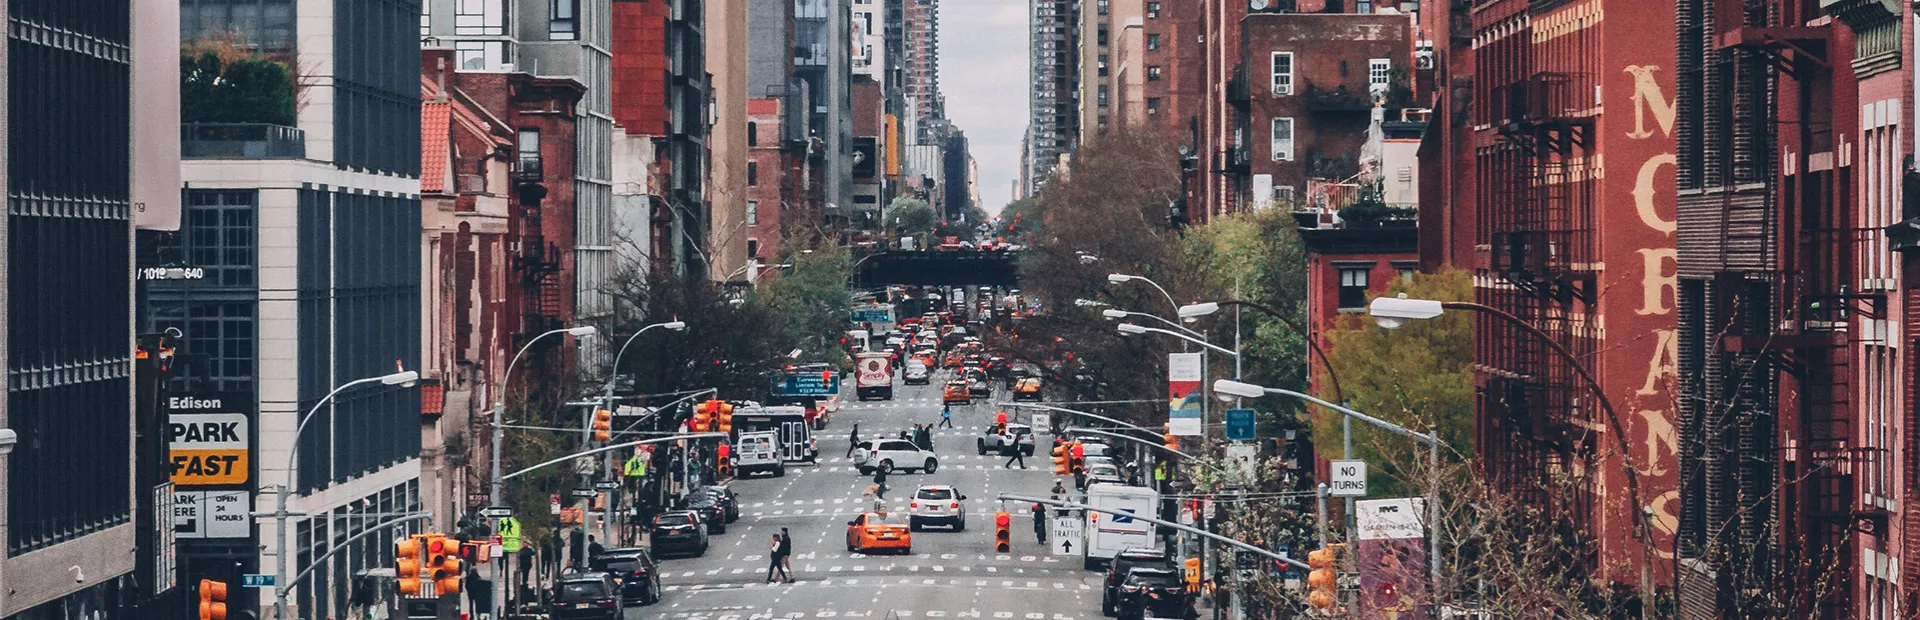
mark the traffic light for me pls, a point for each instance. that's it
(602, 425)
(1190, 569)
(1172, 441)
(1322, 581)
(1078, 453)
(726, 417)
(213, 600)
(1000, 418)
(703, 416)
(1062, 460)
(443, 564)
(406, 553)
(1002, 532)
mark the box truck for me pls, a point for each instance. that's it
(873, 375)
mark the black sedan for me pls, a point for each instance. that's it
(711, 511)
(680, 531)
(634, 568)
(725, 496)
(1154, 593)
(585, 596)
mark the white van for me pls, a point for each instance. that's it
(758, 451)
(1109, 534)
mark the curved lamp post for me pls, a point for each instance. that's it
(499, 435)
(1118, 278)
(607, 401)
(1130, 329)
(1197, 310)
(403, 378)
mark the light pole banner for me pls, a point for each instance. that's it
(1184, 378)
(1392, 558)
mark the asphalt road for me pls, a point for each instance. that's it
(948, 575)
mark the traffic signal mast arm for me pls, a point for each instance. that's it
(1144, 442)
(346, 544)
(1080, 413)
(610, 448)
(1210, 535)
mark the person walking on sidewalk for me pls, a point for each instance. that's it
(946, 416)
(778, 561)
(1011, 450)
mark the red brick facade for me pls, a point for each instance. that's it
(640, 67)
(767, 182)
(1323, 90)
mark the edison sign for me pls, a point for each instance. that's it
(209, 440)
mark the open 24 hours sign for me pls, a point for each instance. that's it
(209, 439)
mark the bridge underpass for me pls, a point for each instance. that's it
(953, 268)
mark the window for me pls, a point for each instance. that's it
(1103, 95)
(1284, 194)
(753, 253)
(479, 55)
(529, 154)
(1283, 73)
(1283, 139)
(562, 20)
(479, 17)
(1153, 73)
(753, 213)
(1377, 70)
(1103, 65)
(1153, 42)
(1353, 287)
(1153, 10)
(753, 133)
(1153, 105)
(753, 174)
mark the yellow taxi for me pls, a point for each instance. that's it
(955, 359)
(879, 530)
(928, 357)
(956, 393)
(1027, 388)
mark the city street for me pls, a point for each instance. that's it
(948, 574)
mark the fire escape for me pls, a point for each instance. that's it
(1541, 212)
(536, 259)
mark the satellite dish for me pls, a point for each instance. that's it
(1257, 5)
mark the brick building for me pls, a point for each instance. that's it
(769, 186)
(1170, 38)
(660, 139)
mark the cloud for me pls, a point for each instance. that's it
(984, 74)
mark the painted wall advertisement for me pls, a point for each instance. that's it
(1185, 401)
(1390, 540)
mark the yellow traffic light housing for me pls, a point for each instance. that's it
(703, 416)
(1002, 532)
(602, 425)
(1172, 441)
(1190, 569)
(213, 600)
(1062, 460)
(407, 557)
(1322, 582)
(726, 417)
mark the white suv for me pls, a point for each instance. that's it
(937, 504)
(894, 454)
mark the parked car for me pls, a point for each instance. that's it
(1117, 569)
(995, 443)
(956, 393)
(1149, 592)
(679, 531)
(894, 454)
(916, 373)
(879, 530)
(936, 504)
(585, 596)
(728, 500)
(711, 512)
(636, 571)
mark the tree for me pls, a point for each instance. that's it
(1415, 376)
(911, 216)
(219, 83)
(810, 302)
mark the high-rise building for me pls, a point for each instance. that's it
(660, 105)
(68, 508)
(726, 58)
(921, 56)
(306, 223)
(822, 60)
(1053, 107)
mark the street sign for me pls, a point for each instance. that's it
(871, 315)
(255, 580)
(553, 504)
(807, 384)
(1240, 424)
(496, 512)
(1349, 479)
(585, 492)
(509, 530)
(1246, 560)
(1242, 460)
(1067, 535)
(606, 486)
(1042, 422)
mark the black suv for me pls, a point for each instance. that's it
(1122, 563)
(679, 531)
(634, 568)
(1150, 592)
(710, 511)
(725, 496)
(585, 596)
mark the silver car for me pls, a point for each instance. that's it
(937, 504)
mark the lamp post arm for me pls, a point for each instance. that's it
(1175, 325)
(1192, 340)
(1079, 413)
(1644, 532)
(676, 401)
(615, 370)
(294, 449)
(1163, 293)
(506, 377)
(1312, 343)
(610, 448)
(1190, 530)
(1382, 424)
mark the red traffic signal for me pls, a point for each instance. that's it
(1002, 532)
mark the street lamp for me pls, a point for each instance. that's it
(407, 378)
(1116, 313)
(613, 498)
(1131, 329)
(1431, 438)
(499, 435)
(1088, 303)
(1120, 278)
(1395, 312)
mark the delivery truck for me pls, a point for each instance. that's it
(873, 375)
(1109, 534)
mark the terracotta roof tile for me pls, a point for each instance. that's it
(435, 123)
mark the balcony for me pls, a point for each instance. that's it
(528, 169)
(241, 141)
(1337, 99)
(1238, 160)
(1239, 94)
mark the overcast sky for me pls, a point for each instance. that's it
(983, 72)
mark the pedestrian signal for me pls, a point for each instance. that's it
(1190, 568)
